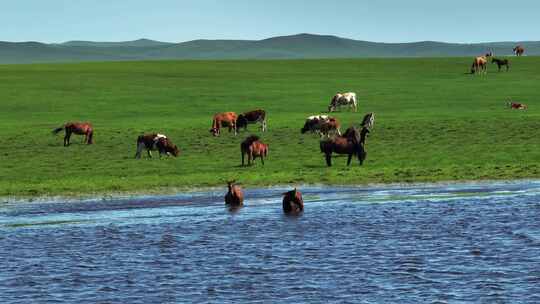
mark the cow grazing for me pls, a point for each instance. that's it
(252, 117)
(155, 141)
(368, 121)
(293, 204)
(331, 126)
(226, 119)
(234, 197)
(516, 105)
(313, 123)
(253, 148)
(343, 99)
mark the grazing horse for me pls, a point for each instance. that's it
(234, 197)
(254, 148)
(252, 117)
(519, 50)
(501, 62)
(516, 105)
(368, 121)
(155, 141)
(352, 143)
(225, 119)
(479, 65)
(79, 128)
(293, 203)
(343, 99)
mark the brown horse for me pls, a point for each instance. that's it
(293, 204)
(253, 148)
(225, 119)
(352, 143)
(479, 65)
(501, 62)
(234, 197)
(79, 128)
(519, 50)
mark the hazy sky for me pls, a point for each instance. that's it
(182, 20)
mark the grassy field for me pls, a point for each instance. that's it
(433, 122)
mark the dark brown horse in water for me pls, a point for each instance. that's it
(254, 148)
(293, 203)
(79, 128)
(234, 197)
(352, 143)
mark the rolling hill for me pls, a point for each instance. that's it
(284, 47)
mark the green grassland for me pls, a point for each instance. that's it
(433, 123)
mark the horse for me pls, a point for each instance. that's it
(234, 197)
(79, 128)
(293, 203)
(155, 141)
(332, 125)
(225, 119)
(501, 62)
(479, 65)
(518, 50)
(313, 123)
(352, 143)
(368, 121)
(254, 148)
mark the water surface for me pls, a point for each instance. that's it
(421, 244)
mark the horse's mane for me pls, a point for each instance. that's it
(250, 139)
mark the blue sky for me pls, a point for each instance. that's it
(182, 20)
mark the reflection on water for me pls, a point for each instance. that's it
(434, 244)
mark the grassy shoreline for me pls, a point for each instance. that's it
(433, 123)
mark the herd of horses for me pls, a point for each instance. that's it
(352, 142)
(480, 63)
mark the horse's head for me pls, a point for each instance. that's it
(241, 121)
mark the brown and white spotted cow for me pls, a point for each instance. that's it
(155, 141)
(225, 119)
(343, 99)
(252, 117)
(313, 123)
(331, 126)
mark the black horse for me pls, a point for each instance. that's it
(501, 62)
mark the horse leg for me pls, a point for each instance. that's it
(250, 158)
(349, 159)
(149, 153)
(66, 138)
(262, 159)
(328, 157)
(242, 158)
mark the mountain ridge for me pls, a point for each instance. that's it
(298, 46)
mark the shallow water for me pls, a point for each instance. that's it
(421, 244)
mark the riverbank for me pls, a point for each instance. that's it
(433, 123)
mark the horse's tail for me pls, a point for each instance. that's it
(58, 130)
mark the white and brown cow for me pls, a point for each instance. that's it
(343, 99)
(156, 141)
(322, 124)
(252, 117)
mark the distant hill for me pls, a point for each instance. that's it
(283, 47)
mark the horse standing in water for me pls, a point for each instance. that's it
(501, 62)
(293, 203)
(234, 197)
(79, 128)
